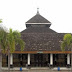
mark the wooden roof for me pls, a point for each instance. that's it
(38, 19)
(42, 42)
(38, 30)
(41, 37)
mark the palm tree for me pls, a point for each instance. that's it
(3, 44)
(13, 38)
(67, 43)
(8, 41)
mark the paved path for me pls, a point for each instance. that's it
(45, 70)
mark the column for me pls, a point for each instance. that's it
(11, 61)
(51, 59)
(28, 59)
(68, 60)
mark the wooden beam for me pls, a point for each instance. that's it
(58, 52)
(33, 52)
(45, 52)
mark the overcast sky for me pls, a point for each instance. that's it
(16, 12)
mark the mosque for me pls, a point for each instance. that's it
(42, 46)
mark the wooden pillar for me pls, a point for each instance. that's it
(51, 59)
(68, 60)
(11, 60)
(28, 59)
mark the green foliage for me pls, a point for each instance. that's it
(63, 45)
(67, 38)
(0, 20)
(67, 42)
(3, 39)
(22, 44)
(14, 38)
(8, 41)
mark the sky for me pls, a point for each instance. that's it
(14, 13)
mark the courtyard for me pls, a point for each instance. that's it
(42, 70)
(38, 69)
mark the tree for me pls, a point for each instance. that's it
(67, 43)
(13, 38)
(3, 43)
(8, 42)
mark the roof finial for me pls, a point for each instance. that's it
(37, 10)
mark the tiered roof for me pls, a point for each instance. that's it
(39, 37)
(38, 30)
(42, 41)
(38, 19)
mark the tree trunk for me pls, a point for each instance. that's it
(8, 61)
(0, 61)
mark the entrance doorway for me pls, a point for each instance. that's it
(19, 60)
(40, 60)
(60, 60)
